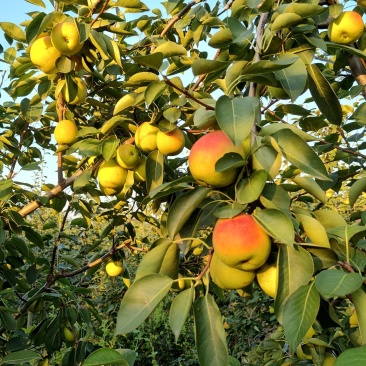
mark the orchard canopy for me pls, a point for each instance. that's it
(275, 101)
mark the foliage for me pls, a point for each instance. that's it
(198, 66)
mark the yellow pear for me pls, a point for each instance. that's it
(346, 28)
(65, 38)
(111, 176)
(267, 278)
(170, 143)
(229, 278)
(44, 55)
(114, 268)
(146, 137)
(65, 132)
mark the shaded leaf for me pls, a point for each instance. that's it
(333, 282)
(140, 300)
(324, 95)
(359, 301)
(20, 357)
(300, 154)
(356, 189)
(296, 268)
(201, 66)
(183, 207)
(209, 332)
(179, 310)
(154, 170)
(249, 189)
(104, 356)
(352, 357)
(300, 313)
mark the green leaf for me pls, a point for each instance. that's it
(209, 332)
(140, 300)
(300, 154)
(154, 60)
(236, 117)
(277, 224)
(304, 10)
(33, 28)
(7, 320)
(359, 115)
(230, 161)
(300, 313)
(359, 301)
(154, 170)
(109, 147)
(13, 31)
(293, 78)
(83, 179)
(286, 20)
(20, 357)
(170, 49)
(312, 187)
(352, 357)
(104, 356)
(333, 282)
(201, 66)
(89, 147)
(5, 189)
(154, 90)
(162, 258)
(324, 96)
(183, 207)
(37, 2)
(356, 189)
(296, 268)
(179, 310)
(249, 189)
(123, 103)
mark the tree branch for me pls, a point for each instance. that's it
(180, 15)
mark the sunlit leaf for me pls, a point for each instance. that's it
(104, 356)
(236, 117)
(277, 224)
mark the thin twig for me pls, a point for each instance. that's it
(187, 94)
(100, 13)
(180, 15)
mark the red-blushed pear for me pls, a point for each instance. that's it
(65, 132)
(170, 143)
(145, 137)
(229, 278)
(65, 37)
(346, 28)
(44, 55)
(204, 155)
(111, 177)
(241, 242)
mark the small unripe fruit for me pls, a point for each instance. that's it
(127, 156)
(114, 268)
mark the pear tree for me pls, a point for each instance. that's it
(285, 98)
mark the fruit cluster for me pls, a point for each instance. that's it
(241, 247)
